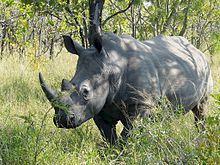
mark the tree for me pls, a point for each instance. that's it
(36, 27)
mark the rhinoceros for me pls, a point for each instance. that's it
(112, 75)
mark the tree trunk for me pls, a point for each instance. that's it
(40, 38)
(133, 22)
(85, 28)
(3, 40)
(185, 20)
(95, 17)
(52, 48)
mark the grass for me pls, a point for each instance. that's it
(28, 136)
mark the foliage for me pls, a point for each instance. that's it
(39, 25)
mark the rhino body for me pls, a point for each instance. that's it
(113, 75)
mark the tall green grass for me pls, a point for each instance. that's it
(28, 136)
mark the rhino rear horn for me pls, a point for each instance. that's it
(66, 85)
(49, 92)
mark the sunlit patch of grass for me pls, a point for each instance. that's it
(28, 135)
(216, 72)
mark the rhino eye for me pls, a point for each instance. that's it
(85, 93)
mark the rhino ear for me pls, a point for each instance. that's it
(97, 42)
(71, 46)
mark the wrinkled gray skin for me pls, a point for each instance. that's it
(117, 71)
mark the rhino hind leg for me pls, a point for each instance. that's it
(199, 114)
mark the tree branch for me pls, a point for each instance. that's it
(58, 17)
(169, 16)
(119, 12)
(77, 23)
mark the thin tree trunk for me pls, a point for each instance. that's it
(185, 20)
(133, 22)
(3, 40)
(95, 18)
(85, 28)
(52, 48)
(40, 38)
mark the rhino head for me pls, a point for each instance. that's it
(85, 94)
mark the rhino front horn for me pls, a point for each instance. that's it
(50, 93)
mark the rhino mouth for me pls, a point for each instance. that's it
(64, 122)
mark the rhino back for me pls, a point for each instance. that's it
(183, 71)
(168, 66)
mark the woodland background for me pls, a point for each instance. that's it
(36, 26)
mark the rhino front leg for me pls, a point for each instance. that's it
(127, 120)
(127, 127)
(107, 129)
